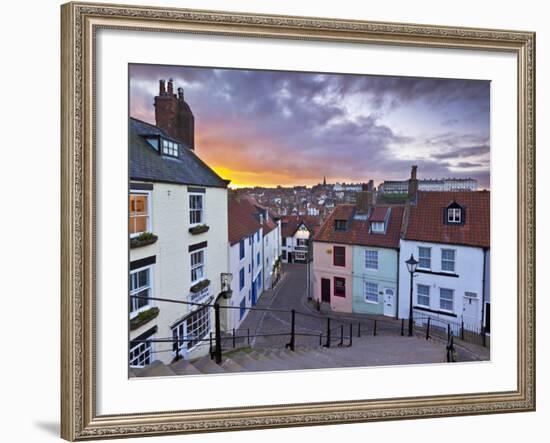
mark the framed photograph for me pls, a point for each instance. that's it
(277, 221)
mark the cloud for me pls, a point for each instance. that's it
(305, 126)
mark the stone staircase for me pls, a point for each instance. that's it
(367, 352)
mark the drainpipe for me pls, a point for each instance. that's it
(483, 288)
(397, 288)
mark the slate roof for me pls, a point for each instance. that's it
(426, 220)
(241, 220)
(148, 165)
(357, 232)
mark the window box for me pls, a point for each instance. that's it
(143, 318)
(144, 239)
(199, 229)
(197, 287)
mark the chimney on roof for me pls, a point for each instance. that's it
(413, 184)
(173, 115)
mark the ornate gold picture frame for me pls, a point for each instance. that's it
(80, 23)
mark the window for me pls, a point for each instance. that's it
(284, 241)
(377, 226)
(340, 225)
(302, 242)
(454, 215)
(448, 260)
(196, 209)
(250, 240)
(242, 251)
(141, 354)
(257, 235)
(241, 279)
(140, 286)
(300, 255)
(258, 262)
(371, 260)
(424, 257)
(339, 256)
(260, 280)
(446, 299)
(339, 287)
(423, 295)
(197, 265)
(170, 148)
(284, 255)
(371, 292)
(139, 214)
(191, 330)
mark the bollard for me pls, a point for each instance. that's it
(350, 335)
(248, 336)
(402, 327)
(428, 329)
(211, 350)
(327, 344)
(374, 331)
(359, 330)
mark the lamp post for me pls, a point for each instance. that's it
(411, 266)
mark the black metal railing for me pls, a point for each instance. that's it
(441, 328)
(336, 331)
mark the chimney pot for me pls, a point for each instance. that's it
(170, 86)
(180, 93)
(162, 87)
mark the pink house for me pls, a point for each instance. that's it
(332, 263)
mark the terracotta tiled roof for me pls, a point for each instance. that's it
(290, 223)
(426, 220)
(357, 232)
(242, 222)
(379, 214)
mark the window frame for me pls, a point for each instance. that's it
(192, 268)
(169, 148)
(429, 249)
(192, 211)
(447, 260)
(242, 277)
(378, 223)
(452, 301)
(338, 222)
(334, 286)
(454, 219)
(189, 345)
(343, 255)
(367, 251)
(134, 312)
(148, 348)
(418, 295)
(242, 250)
(365, 292)
(149, 212)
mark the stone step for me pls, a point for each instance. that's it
(207, 366)
(230, 365)
(155, 369)
(184, 367)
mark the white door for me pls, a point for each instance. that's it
(470, 312)
(389, 302)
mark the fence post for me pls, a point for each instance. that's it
(211, 350)
(359, 330)
(402, 327)
(483, 336)
(233, 338)
(350, 335)
(448, 331)
(374, 331)
(218, 333)
(341, 336)
(428, 329)
(292, 330)
(327, 344)
(248, 335)
(321, 339)
(462, 329)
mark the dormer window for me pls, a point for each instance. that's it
(340, 225)
(454, 214)
(170, 148)
(377, 227)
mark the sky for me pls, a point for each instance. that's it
(269, 128)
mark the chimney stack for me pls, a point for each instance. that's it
(173, 115)
(413, 184)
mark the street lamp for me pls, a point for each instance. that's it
(411, 266)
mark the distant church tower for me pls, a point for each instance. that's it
(324, 181)
(173, 115)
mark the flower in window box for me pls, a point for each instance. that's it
(143, 239)
(143, 317)
(197, 287)
(199, 229)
